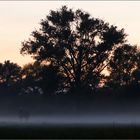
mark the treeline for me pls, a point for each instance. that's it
(31, 78)
(75, 54)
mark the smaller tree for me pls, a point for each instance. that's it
(10, 78)
(135, 85)
(136, 75)
(44, 76)
(50, 78)
(30, 74)
(122, 65)
(10, 73)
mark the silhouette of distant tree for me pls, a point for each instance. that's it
(30, 74)
(23, 114)
(136, 75)
(10, 73)
(42, 76)
(10, 78)
(50, 78)
(122, 65)
(135, 85)
(79, 45)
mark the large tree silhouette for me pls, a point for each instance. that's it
(81, 46)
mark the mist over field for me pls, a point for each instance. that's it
(37, 110)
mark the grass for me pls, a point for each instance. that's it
(63, 132)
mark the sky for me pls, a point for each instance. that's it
(19, 18)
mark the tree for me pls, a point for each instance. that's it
(122, 65)
(10, 78)
(30, 74)
(42, 76)
(50, 78)
(75, 42)
(135, 85)
(10, 73)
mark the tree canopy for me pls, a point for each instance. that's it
(122, 65)
(9, 73)
(78, 44)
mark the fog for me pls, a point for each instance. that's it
(38, 111)
(97, 119)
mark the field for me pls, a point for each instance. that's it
(71, 131)
(53, 118)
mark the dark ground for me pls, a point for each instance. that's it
(63, 132)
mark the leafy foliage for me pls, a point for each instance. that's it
(10, 73)
(122, 65)
(79, 45)
(42, 76)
